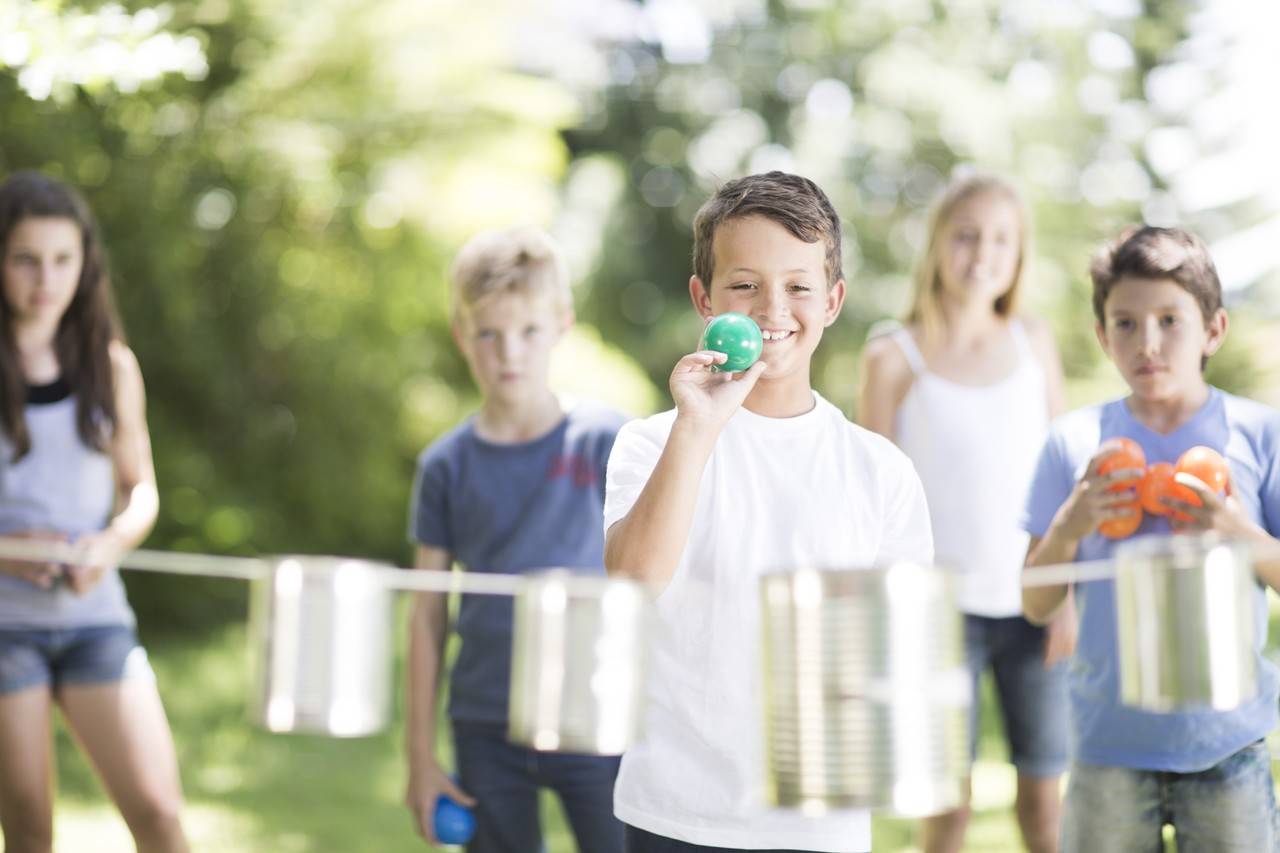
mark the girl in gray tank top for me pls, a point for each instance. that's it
(75, 466)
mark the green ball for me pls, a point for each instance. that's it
(737, 336)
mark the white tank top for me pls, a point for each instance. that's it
(975, 448)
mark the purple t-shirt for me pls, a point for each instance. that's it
(510, 508)
(1103, 731)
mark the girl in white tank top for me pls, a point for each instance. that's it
(967, 389)
(75, 466)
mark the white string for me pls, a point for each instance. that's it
(420, 580)
(254, 568)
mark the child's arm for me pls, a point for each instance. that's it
(428, 623)
(1088, 505)
(137, 501)
(886, 378)
(647, 542)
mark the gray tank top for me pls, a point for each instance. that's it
(64, 486)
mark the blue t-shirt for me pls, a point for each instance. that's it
(510, 508)
(1103, 731)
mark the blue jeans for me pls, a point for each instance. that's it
(1033, 700)
(505, 779)
(639, 841)
(1229, 807)
(54, 657)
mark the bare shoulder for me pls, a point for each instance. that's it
(125, 370)
(883, 357)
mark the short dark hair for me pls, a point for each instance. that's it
(795, 203)
(1157, 253)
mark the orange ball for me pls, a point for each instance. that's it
(1122, 453)
(1119, 528)
(1155, 484)
(1207, 466)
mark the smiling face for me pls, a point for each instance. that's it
(764, 271)
(1158, 337)
(43, 257)
(980, 248)
(507, 340)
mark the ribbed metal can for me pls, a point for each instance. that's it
(1185, 623)
(579, 650)
(320, 645)
(866, 692)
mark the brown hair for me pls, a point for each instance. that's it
(926, 305)
(521, 260)
(86, 328)
(1148, 252)
(795, 203)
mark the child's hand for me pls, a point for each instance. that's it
(1222, 513)
(96, 552)
(1092, 502)
(42, 574)
(707, 396)
(426, 784)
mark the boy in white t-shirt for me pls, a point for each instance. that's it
(750, 473)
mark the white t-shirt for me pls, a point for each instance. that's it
(778, 493)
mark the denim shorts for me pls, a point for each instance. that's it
(30, 657)
(1032, 699)
(1229, 807)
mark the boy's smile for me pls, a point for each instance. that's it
(764, 271)
(1157, 337)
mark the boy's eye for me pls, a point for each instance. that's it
(485, 334)
(1123, 323)
(1169, 320)
(742, 285)
(799, 287)
(531, 330)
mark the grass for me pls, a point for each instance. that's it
(252, 791)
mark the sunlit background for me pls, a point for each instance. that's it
(282, 183)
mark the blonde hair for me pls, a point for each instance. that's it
(926, 304)
(524, 261)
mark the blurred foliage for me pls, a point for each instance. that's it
(281, 185)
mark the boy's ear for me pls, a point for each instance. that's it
(1216, 331)
(1100, 331)
(835, 300)
(567, 319)
(700, 297)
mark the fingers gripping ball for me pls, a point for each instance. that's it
(453, 823)
(1122, 453)
(1207, 466)
(737, 336)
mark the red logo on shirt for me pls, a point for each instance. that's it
(575, 466)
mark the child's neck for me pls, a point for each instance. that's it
(512, 422)
(1166, 415)
(36, 352)
(782, 398)
(968, 325)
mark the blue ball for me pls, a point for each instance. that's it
(454, 823)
